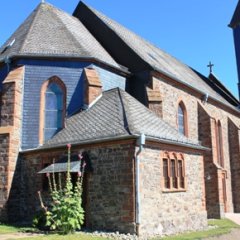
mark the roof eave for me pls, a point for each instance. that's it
(180, 144)
(195, 89)
(79, 143)
(223, 88)
(121, 71)
(117, 138)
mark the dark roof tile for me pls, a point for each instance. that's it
(49, 31)
(116, 114)
(155, 57)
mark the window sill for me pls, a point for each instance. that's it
(173, 190)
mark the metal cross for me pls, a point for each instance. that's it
(210, 65)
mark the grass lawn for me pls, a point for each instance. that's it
(76, 236)
(4, 229)
(224, 226)
(7, 229)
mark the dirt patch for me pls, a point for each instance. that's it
(17, 235)
(233, 235)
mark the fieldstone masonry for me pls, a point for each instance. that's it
(10, 130)
(110, 196)
(110, 190)
(165, 212)
(202, 117)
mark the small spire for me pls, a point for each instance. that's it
(210, 65)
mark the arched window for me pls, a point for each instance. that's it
(219, 140)
(182, 119)
(173, 172)
(53, 95)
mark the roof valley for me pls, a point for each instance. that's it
(125, 116)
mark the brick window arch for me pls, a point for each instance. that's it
(219, 141)
(182, 119)
(52, 108)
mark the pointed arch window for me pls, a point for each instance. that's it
(53, 96)
(219, 140)
(182, 119)
(173, 166)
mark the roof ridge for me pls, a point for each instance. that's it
(221, 86)
(70, 32)
(149, 54)
(37, 9)
(125, 118)
(150, 44)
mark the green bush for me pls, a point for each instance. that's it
(64, 213)
(39, 221)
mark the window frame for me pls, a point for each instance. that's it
(185, 118)
(219, 143)
(53, 80)
(169, 184)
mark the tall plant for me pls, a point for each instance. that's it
(65, 213)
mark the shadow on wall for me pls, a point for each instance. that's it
(0, 107)
(16, 208)
(76, 102)
(210, 169)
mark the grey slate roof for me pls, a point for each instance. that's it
(236, 17)
(51, 32)
(62, 167)
(157, 58)
(116, 114)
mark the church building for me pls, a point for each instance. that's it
(161, 141)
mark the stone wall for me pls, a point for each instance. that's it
(165, 212)
(206, 137)
(10, 131)
(171, 95)
(4, 146)
(110, 190)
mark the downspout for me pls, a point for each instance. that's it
(140, 143)
(7, 60)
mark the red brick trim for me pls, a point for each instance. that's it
(6, 130)
(219, 143)
(153, 95)
(176, 157)
(15, 75)
(92, 86)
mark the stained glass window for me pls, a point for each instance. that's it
(53, 110)
(219, 140)
(181, 120)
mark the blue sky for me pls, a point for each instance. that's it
(193, 31)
